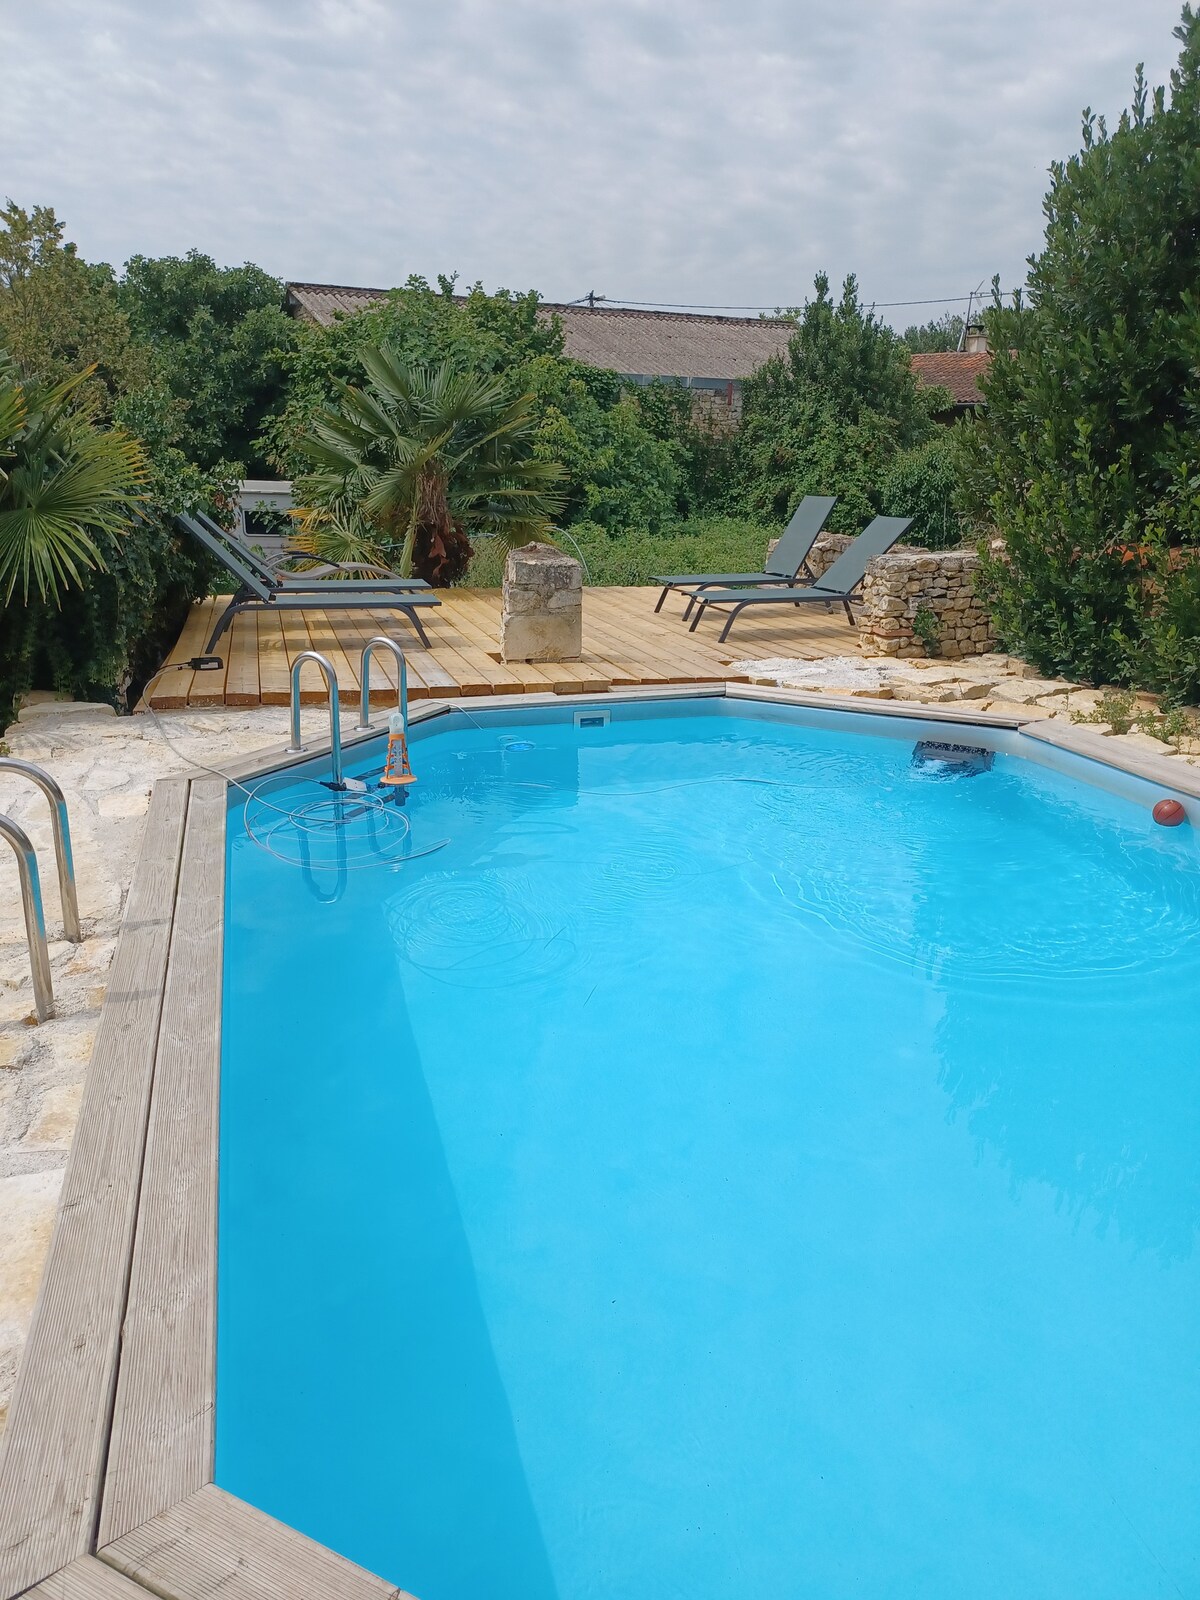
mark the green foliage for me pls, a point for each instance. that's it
(943, 333)
(220, 335)
(419, 460)
(623, 467)
(1083, 458)
(831, 417)
(617, 472)
(927, 629)
(59, 314)
(1116, 709)
(64, 483)
(922, 483)
(64, 324)
(702, 544)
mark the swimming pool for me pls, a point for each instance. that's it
(729, 1157)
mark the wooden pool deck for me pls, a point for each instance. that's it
(625, 644)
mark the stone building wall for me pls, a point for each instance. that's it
(898, 584)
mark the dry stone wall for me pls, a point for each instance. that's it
(900, 584)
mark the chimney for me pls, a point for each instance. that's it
(975, 340)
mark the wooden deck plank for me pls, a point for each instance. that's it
(327, 638)
(293, 625)
(273, 665)
(87, 1579)
(208, 688)
(172, 689)
(213, 1544)
(54, 1447)
(242, 684)
(626, 644)
(663, 661)
(162, 1435)
(472, 622)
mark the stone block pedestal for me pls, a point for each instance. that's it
(542, 614)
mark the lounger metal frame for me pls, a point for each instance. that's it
(270, 592)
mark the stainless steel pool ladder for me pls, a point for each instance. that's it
(296, 748)
(31, 886)
(364, 676)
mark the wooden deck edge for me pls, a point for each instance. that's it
(161, 1444)
(56, 1441)
(212, 1543)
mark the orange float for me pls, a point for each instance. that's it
(397, 771)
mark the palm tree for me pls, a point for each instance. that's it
(405, 469)
(63, 483)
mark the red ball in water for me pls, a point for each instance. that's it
(1169, 813)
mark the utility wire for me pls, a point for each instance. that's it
(677, 305)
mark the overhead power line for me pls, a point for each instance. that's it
(678, 305)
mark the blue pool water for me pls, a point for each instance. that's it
(738, 1162)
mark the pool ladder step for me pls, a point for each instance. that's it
(31, 883)
(379, 642)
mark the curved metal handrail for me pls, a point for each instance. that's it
(35, 916)
(364, 674)
(335, 714)
(62, 840)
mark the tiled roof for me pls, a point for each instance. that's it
(958, 371)
(674, 344)
(668, 344)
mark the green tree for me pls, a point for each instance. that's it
(418, 460)
(943, 333)
(831, 415)
(66, 327)
(221, 337)
(60, 314)
(1091, 426)
(620, 470)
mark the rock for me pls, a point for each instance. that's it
(27, 1206)
(124, 805)
(55, 1121)
(35, 706)
(542, 614)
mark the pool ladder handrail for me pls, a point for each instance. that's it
(31, 885)
(364, 673)
(296, 748)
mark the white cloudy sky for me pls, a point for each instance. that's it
(687, 151)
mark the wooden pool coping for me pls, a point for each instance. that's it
(106, 1488)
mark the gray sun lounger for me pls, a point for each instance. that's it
(372, 576)
(837, 584)
(260, 588)
(783, 566)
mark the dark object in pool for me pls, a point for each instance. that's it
(1169, 813)
(967, 759)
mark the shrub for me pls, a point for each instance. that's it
(922, 483)
(831, 416)
(1083, 456)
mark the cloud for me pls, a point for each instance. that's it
(651, 149)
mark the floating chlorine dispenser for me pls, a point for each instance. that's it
(396, 771)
